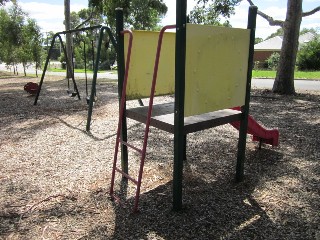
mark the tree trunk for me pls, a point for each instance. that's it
(24, 69)
(36, 69)
(68, 37)
(284, 82)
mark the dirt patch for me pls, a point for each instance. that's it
(55, 177)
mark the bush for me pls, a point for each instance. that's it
(309, 55)
(256, 65)
(105, 65)
(273, 61)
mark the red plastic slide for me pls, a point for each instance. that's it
(258, 132)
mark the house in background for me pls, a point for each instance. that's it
(263, 50)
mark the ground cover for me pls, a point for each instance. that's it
(55, 177)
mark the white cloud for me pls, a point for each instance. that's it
(48, 16)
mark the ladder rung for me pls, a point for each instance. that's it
(131, 146)
(127, 176)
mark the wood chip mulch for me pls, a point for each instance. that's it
(55, 177)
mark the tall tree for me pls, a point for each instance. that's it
(32, 44)
(11, 24)
(211, 13)
(139, 14)
(67, 23)
(284, 82)
(20, 38)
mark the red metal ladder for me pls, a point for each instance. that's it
(119, 141)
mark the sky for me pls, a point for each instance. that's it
(49, 14)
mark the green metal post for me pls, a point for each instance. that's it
(95, 73)
(185, 147)
(45, 68)
(94, 80)
(121, 70)
(245, 109)
(179, 137)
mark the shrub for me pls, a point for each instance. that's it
(256, 65)
(273, 61)
(309, 55)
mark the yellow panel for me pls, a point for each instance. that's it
(216, 68)
(143, 55)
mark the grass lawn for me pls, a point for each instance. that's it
(255, 73)
(297, 75)
(78, 70)
(63, 70)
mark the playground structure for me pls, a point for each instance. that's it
(210, 73)
(70, 69)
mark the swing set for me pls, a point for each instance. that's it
(70, 67)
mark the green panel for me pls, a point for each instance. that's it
(216, 68)
(143, 55)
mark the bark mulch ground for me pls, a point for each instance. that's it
(55, 177)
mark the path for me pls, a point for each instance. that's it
(264, 83)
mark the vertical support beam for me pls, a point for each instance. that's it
(95, 73)
(121, 71)
(179, 137)
(245, 109)
(94, 80)
(45, 68)
(185, 147)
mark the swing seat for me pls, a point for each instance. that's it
(71, 93)
(31, 88)
(88, 100)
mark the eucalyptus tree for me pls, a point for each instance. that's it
(32, 44)
(284, 82)
(138, 14)
(210, 12)
(67, 24)
(21, 38)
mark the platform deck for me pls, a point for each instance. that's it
(163, 118)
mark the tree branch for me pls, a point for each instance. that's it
(271, 21)
(305, 14)
(87, 20)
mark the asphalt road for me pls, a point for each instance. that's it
(298, 84)
(260, 83)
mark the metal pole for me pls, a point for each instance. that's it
(245, 109)
(121, 71)
(95, 73)
(85, 65)
(94, 80)
(45, 68)
(179, 137)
